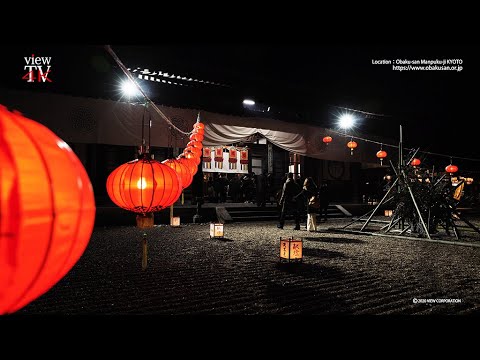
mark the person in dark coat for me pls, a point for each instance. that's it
(289, 202)
(261, 190)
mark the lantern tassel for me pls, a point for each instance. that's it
(183, 198)
(144, 252)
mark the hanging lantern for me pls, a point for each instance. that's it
(199, 125)
(327, 139)
(469, 181)
(352, 145)
(218, 157)
(451, 169)
(207, 158)
(196, 151)
(244, 159)
(190, 164)
(196, 137)
(415, 162)
(144, 185)
(382, 154)
(47, 210)
(191, 156)
(232, 158)
(291, 249)
(199, 131)
(195, 144)
(182, 170)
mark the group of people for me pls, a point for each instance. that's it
(248, 188)
(294, 197)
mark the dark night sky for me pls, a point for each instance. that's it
(437, 109)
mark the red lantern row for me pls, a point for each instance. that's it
(145, 185)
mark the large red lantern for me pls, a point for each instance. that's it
(415, 162)
(451, 169)
(47, 210)
(182, 170)
(144, 185)
(327, 139)
(352, 145)
(382, 154)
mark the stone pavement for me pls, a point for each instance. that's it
(189, 273)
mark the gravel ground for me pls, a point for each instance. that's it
(189, 273)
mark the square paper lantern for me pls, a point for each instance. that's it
(389, 213)
(291, 249)
(175, 222)
(216, 230)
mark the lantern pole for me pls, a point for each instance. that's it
(144, 251)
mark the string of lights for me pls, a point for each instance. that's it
(131, 78)
(170, 79)
(396, 146)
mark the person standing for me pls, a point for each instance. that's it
(310, 194)
(261, 189)
(289, 202)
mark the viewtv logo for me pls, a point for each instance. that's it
(35, 66)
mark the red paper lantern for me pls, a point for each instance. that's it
(144, 185)
(415, 162)
(196, 137)
(182, 170)
(199, 131)
(47, 210)
(382, 154)
(195, 144)
(451, 169)
(327, 139)
(199, 125)
(352, 145)
(196, 151)
(190, 164)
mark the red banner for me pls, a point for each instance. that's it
(219, 154)
(207, 154)
(244, 157)
(233, 156)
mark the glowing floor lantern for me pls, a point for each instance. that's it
(175, 222)
(144, 186)
(216, 231)
(47, 210)
(388, 213)
(291, 249)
